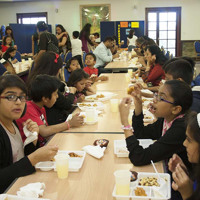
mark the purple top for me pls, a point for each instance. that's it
(84, 43)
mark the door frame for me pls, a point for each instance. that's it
(178, 28)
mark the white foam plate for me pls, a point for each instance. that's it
(150, 190)
(74, 163)
(15, 197)
(120, 145)
(99, 105)
(107, 96)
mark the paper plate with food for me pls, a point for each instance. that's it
(85, 105)
(100, 96)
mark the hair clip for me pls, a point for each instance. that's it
(56, 59)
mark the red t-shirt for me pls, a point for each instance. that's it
(37, 115)
(91, 71)
(4, 48)
(156, 74)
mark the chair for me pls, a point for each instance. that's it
(68, 56)
(18, 56)
(3, 70)
(64, 75)
(62, 56)
(84, 55)
(197, 49)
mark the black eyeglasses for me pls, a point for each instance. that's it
(157, 97)
(14, 98)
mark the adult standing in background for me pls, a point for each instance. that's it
(64, 42)
(85, 37)
(131, 40)
(104, 55)
(46, 39)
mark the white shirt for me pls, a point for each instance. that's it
(16, 143)
(103, 55)
(132, 40)
(76, 47)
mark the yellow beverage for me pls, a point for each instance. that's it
(62, 170)
(114, 105)
(89, 119)
(122, 189)
(130, 72)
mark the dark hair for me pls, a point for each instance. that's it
(61, 27)
(77, 76)
(6, 55)
(9, 28)
(48, 63)
(91, 54)
(114, 37)
(4, 39)
(194, 129)
(179, 68)
(96, 34)
(42, 26)
(35, 37)
(76, 34)
(181, 93)
(131, 33)
(85, 30)
(155, 50)
(43, 86)
(110, 39)
(10, 80)
(70, 61)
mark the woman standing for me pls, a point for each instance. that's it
(64, 42)
(85, 37)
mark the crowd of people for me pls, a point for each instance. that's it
(43, 103)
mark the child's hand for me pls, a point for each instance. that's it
(136, 94)
(76, 120)
(31, 126)
(103, 78)
(93, 78)
(182, 182)
(81, 98)
(72, 90)
(174, 161)
(88, 84)
(45, 153)
(124, 108)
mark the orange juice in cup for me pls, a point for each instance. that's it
(114, 103)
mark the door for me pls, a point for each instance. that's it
(164, 26)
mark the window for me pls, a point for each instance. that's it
(31, 18)
(163, 25)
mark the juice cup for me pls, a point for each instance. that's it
(114, 103)
(122, 180)
(90, 115)
(62, 165)
(130, 72)
(23, 60)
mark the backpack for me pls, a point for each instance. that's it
(51, 46)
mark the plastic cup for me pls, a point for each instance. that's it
(23, 60)
(90, 115)
(114, 103)
(130, 72)
(122, 180)
(62, 165)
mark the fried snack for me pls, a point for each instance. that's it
(101, 142)
(140, 192)
(95, 105)
(100, 96)
(149, 181)
(130, 90)
(74, 155)
(134, 175)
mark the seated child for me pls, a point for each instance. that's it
(44, 92)
(170, 106)
(13, 162)
(182, 178)
(90, 61)
(71, 65)
(78, 79)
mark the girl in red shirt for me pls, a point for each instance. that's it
(155, 60)
(7, 42)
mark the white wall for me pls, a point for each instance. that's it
(69, 14)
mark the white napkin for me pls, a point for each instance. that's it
(32, 190)
(147, 91)
(95, 151)
(30, 137)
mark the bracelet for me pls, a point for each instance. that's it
(129, 127)
(68, 125)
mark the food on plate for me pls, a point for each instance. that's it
(143, 100)
(95, 105)
(130, 90)
(74, 155)
(149, 181)
(148, 117)
(134, 175)
(122, 150)
(100, 96)
(140, 192)
(101, 142)
(87, 105)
